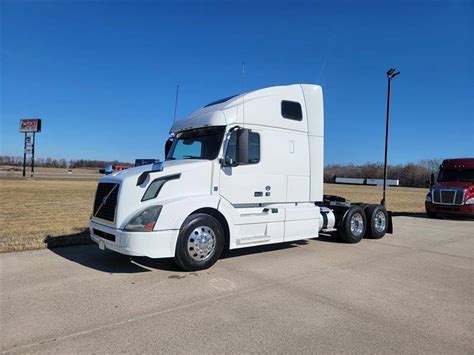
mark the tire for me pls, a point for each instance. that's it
(431, 214)
(377, 221)
(200, 242)
(353, 225)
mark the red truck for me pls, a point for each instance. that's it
(453, 192)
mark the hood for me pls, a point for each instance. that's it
(168, 167)
(453, 185)
(190, 178)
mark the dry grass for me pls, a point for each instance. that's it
(33, 210)
(40, 169)
(399, 199)
(36, 213)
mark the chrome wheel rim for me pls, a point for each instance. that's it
(380, 221)
(357, 224)
(201, 243)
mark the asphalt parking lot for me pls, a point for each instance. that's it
(409, 292)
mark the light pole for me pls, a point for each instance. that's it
(392, 73)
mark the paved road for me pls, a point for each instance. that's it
(410, 292)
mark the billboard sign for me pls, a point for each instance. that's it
(30, 125)
(28, 150)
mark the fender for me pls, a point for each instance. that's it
(226, 209)
(175, 211)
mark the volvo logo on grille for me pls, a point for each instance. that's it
(104, 200)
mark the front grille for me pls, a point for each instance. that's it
(106, 201)
(448, 196)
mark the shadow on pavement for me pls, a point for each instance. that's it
(425, 216)
(410, 214)
(79, 238)
(102, 260)
(262, 249)
(111, 262)
(329, 238)
(94, 258)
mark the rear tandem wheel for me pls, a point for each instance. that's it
(353, 225)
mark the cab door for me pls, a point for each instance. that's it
(244, 179)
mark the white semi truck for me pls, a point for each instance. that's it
(242, 171)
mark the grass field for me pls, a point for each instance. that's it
(37, 213)
(34, 210)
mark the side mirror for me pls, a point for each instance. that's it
(237, 148)
(432, 180)
(108, 170)
(243, 146)
(168, 145)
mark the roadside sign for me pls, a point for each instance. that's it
(30, 125)
(29, 128)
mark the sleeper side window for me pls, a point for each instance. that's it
(291, 110)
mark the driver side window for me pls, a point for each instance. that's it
(231, 151)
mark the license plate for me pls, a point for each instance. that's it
(101, 245)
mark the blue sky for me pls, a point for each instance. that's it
(102, 75)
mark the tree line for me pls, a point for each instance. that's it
(60, 163)
(410, 174)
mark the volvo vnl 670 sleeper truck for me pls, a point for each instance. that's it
(242, 171)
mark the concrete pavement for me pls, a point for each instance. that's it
(409, 292)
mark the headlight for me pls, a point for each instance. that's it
(470, 201)
(428, 197)
(144, 221)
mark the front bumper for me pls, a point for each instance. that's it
(156, 244)
(458, 210)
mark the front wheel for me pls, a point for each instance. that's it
(200, 242)
(353, 225)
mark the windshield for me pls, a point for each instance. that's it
(202, 143)
(456, 175)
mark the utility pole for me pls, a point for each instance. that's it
(33, 156)
(392, 73)
(24, 157)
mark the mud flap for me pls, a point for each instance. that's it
(390, 224)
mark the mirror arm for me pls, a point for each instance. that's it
(225, 165)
